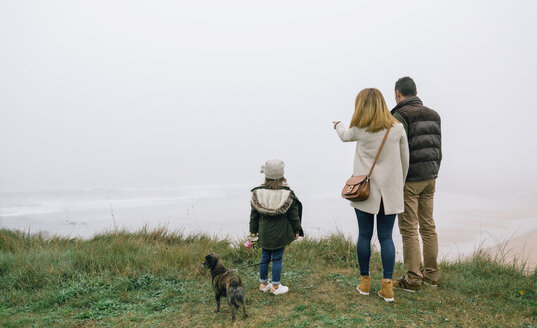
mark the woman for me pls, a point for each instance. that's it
(276, 214)
(368, 126)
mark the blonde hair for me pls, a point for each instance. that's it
(371, 112)
(274, 183)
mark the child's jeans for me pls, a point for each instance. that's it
(266, 256)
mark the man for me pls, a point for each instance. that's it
(422, 126)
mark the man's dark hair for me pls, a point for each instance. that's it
(406, 86)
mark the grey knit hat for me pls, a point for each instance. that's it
(273, 169)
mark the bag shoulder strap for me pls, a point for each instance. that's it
(380, 149)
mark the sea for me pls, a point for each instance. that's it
(465, 222)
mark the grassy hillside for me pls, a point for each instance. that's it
(154, 279)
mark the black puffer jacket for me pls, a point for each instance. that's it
(424, 138)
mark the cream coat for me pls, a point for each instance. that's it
(389, 174)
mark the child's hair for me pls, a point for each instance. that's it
(274, 183)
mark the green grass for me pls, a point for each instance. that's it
(154, 279)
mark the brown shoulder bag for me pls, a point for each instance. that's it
(357, 187)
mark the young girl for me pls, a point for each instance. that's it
(276, 218)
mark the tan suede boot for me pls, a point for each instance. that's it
(386, 290)
(365, 284)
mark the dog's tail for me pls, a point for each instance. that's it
(236, 292)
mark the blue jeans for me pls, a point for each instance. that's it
(266, 256)
(384, 232)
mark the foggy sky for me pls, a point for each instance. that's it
(98, 94)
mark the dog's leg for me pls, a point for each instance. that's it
(244, 315)
(232, 307)
(217, 297)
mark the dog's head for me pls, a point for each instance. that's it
(211, 261)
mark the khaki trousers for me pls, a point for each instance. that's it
(419, 200)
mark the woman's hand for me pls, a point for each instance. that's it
(296, 236)
(335, 123)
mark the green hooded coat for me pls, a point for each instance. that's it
(276, 216)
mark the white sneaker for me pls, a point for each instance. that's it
(266, 288)
(281, 290)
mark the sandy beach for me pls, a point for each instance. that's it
(521, 251)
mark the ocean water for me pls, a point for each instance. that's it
(464, 222)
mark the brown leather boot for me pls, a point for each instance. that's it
(386, 290)
(365, 284)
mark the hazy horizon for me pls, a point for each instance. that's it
(108, 94)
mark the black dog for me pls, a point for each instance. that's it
(225, 283)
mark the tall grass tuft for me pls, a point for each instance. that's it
(154, 278)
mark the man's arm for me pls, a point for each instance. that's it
(440, 160)
(402, 120)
